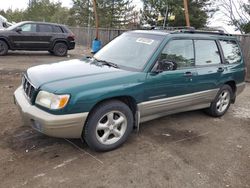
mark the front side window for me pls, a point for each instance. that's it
(179, 52)
(28, 28)
(130, 50)
(206, 52)
(231, 51)
(45, 28)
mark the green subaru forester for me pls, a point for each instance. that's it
(137, 77)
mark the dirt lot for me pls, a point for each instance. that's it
(183, 150)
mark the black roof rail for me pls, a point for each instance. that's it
(178, 28)
(186, 29)
(172, 28)
(212, 29)
(217, 32)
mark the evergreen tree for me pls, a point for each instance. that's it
(114, 13)
(80, 13)
(155, 9)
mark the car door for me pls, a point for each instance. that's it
(170, 90)
(209, 67)
(24, 37)
(45, 34)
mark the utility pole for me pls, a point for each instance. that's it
(166, 17)
(96, 20)
(186, 13)
(88, 21)
(112, 16)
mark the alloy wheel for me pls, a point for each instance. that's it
(111, 127)
(223, 101)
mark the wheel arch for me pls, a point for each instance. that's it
(233, 86)
(58, 41)
(128, 100)
(7, 41)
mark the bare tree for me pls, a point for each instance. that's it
(236, 12)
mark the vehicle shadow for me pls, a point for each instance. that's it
(160, 131)
(29, 53)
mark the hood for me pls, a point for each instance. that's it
(66, 70)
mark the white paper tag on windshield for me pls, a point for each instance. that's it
(145, 41)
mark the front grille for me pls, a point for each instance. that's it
(28, 88)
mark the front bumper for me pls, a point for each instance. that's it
(62, 126)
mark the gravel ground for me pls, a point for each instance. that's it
(183, 150)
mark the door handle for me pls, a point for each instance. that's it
(188, 74)
(220, 69)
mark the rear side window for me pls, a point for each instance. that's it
(180, 52)
(45, 28)
(206, 52)
(231, 51)
(57, 29)
(66, 29)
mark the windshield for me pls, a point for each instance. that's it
(130, 50)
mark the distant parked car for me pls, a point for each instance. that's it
(37, 36)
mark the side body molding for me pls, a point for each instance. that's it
(157, 108)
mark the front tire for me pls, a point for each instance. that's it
(222, 102)
(60, 49)
(3, 48)
(108, 126)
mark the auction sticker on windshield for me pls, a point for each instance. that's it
(145, 41)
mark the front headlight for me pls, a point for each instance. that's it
(52, 101)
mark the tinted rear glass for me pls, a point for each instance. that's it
(66, 30)
(45, 28)
(57, 29)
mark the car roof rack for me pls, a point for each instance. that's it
(172, 28)
(186, 29)
(179, 28)
(211, 31)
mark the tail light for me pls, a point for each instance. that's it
(71, 36)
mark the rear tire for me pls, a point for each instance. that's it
(221, 103)
(60, 49)
(3, 48)
(50, 51)
(108, 126)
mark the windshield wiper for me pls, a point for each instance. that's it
(107, 63)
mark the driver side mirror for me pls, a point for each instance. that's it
(18, 29)
(164, 65)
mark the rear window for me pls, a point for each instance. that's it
(45, 28)
(66, 29)
(57, 29)
(231, 51)
(206, 52)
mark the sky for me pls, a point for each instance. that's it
(216, 21)
(22, 4)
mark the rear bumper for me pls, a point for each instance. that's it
(72, 45)
(62, 126)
